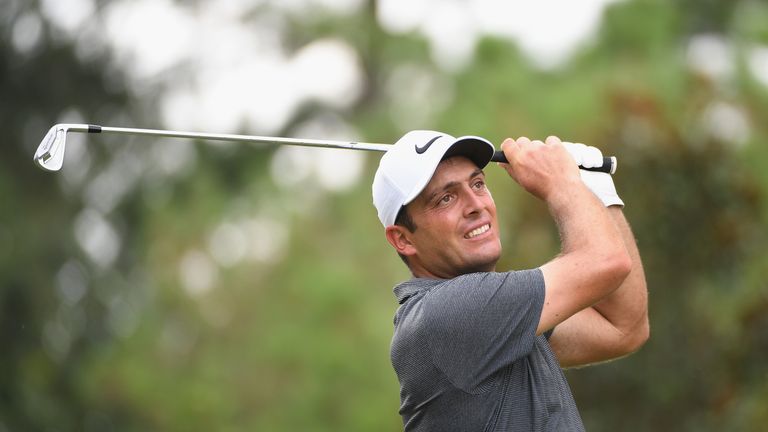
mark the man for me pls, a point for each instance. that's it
(474, 349)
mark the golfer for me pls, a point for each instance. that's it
(476, 349)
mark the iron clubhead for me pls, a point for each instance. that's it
(50, 153)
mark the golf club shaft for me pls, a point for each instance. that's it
(608, 166)
(50, 152)
(239, 138)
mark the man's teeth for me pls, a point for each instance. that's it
(477, 231)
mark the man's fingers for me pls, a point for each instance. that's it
(552, 140)
(575, 151)
(512, 147)
(509, 147)
(508, 142)
(593, 157)
(584, 155)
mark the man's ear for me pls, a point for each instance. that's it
(400, 239)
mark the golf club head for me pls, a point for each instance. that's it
(50, 153)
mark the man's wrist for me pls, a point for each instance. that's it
(568, 196)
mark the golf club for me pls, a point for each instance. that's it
(50, 154)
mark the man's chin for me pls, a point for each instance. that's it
(486, 264)
(486, 258)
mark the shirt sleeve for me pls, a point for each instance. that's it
(480, 323)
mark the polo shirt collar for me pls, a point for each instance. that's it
(414, 286)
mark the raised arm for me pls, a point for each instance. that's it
(594, 260)
(614, 327)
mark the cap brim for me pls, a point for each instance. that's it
(477, 149)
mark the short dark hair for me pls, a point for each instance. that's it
(404, 220)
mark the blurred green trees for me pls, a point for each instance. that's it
(223, 295)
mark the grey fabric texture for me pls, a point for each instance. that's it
(467, 356)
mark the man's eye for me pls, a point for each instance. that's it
(445, 199)
(480, 185)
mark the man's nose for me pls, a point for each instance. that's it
(473, 203)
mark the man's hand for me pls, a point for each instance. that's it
(601, 184)
(541, 168)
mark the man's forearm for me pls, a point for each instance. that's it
(627, 307)
(593, 261)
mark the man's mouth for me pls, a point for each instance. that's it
(477, 231)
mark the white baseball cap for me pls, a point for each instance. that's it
(408, 166)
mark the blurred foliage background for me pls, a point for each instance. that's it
(173, 285)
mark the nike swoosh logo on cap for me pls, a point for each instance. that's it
(425, 147)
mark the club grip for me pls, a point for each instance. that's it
(608, 166)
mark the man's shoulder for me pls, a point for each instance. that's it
(468, 293)
(471, 284)
(468, 297)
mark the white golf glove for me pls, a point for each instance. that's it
(600, 183)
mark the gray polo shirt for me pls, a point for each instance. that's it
(468, 359)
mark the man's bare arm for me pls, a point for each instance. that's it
(615, 326)
(594, 260)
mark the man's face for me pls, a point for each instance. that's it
(457, 231)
